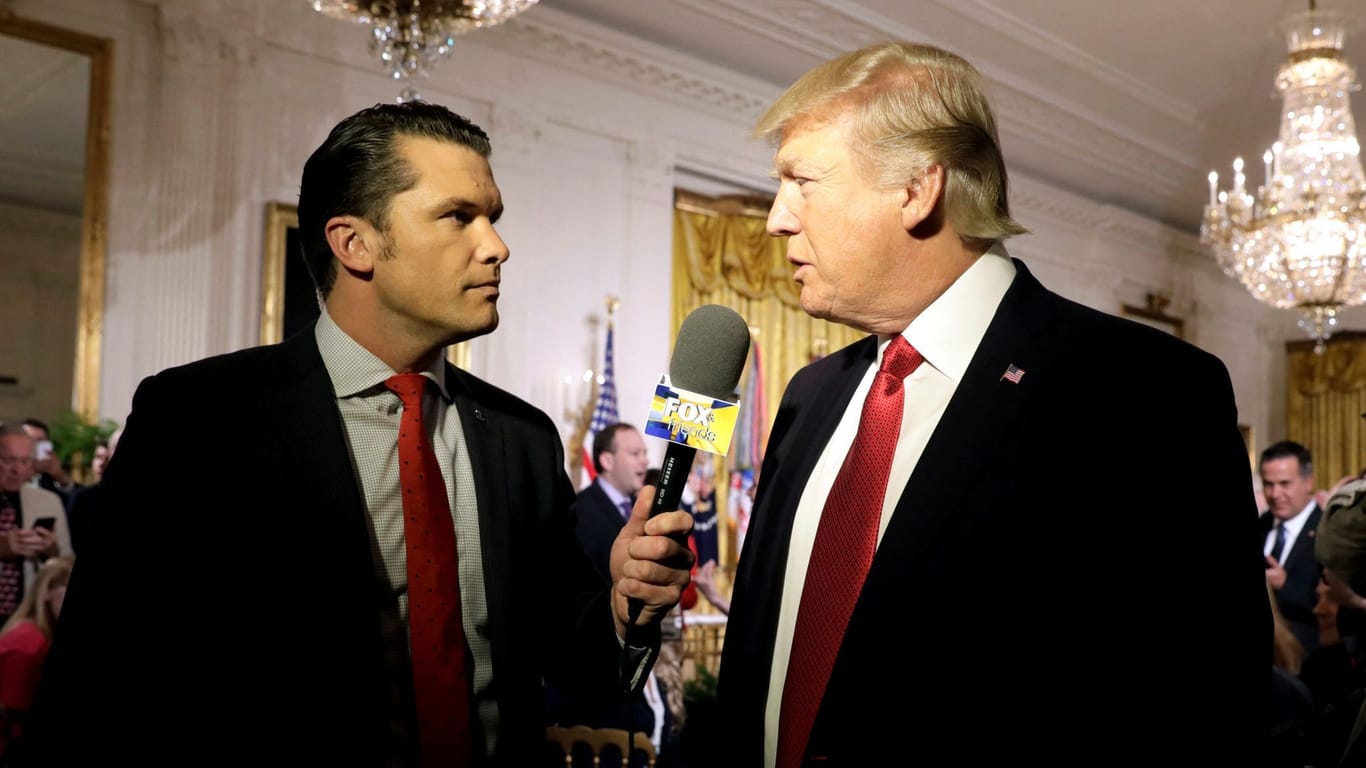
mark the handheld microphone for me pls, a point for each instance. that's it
(708, 358)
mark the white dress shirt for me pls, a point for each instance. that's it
(947, 335)
(1292, 527)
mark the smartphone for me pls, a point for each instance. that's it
(45, 522)
(44, 449)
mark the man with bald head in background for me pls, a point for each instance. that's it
(600, 510)
(952, 558)
(23, 545)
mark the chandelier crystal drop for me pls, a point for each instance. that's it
(1298, 241)
(411, 36)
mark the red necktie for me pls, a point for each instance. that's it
(441, 677)
(842, 552)
(11, 572)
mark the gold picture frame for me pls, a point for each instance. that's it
(95, 205)
(289, 301)
(281, 218)
(1249, 440)
(1155, 315)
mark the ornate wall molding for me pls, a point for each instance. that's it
(204, 41)
(1018, 112)
(560, 39)
(996, 18)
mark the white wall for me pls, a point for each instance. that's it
(217, 103)
(40, 253)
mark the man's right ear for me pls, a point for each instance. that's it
(353, 242)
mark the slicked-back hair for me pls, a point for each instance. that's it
(1287, 449)
(911, 106)
(358, 170)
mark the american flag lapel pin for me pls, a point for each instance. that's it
(1013, 374)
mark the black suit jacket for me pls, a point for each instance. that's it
(598, 523)
(1298, 596)
(228, 611)
(1015, 611)
(80, 514)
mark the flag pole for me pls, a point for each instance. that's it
(576, 449)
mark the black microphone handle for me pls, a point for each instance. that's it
(673, 478)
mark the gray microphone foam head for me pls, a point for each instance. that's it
(710, 351)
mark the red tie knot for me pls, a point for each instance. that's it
(408, 387)
(900, 359)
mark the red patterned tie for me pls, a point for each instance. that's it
(842, 552)
(441, 677)
(11, 571)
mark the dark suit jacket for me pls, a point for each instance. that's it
(1298, 596)
(228, 611)
(1015, 611)
(80, 514)
(598, 523)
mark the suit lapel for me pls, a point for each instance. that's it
(483, 431)
(979, 434)
(811, 408)
(320, 500)
(1303, 550)
(817, 408)
(310, 428)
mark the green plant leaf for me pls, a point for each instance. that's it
(73, 436)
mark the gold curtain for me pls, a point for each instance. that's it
(1326, 396)
(723, 255)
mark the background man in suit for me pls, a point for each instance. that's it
(24, 546)
(1288, 529)
(952, 518)
(51, 475)
(85, 502)
(601, 509)
(379, 567)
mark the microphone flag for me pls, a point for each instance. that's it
(692, 419)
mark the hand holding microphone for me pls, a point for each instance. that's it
(650, 558)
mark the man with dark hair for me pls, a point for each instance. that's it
(1289, 528)
(915, 540)
(51, 475)
(385, 569)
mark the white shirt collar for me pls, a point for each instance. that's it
(355, 369)
(950, 329)
(1294, 524)
(615, 495)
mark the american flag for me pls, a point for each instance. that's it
(605, 412)
(1013, 374)
(751, 431)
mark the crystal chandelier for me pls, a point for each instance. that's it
(1298, 241)
(411, 36)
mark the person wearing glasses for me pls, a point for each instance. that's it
(32, 520)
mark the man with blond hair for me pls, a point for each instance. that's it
(941, 527)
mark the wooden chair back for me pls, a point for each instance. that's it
(597, 740)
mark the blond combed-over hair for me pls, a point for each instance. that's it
(911, 106)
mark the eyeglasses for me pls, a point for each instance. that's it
(9, 461)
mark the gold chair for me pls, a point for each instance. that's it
(597, 739)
